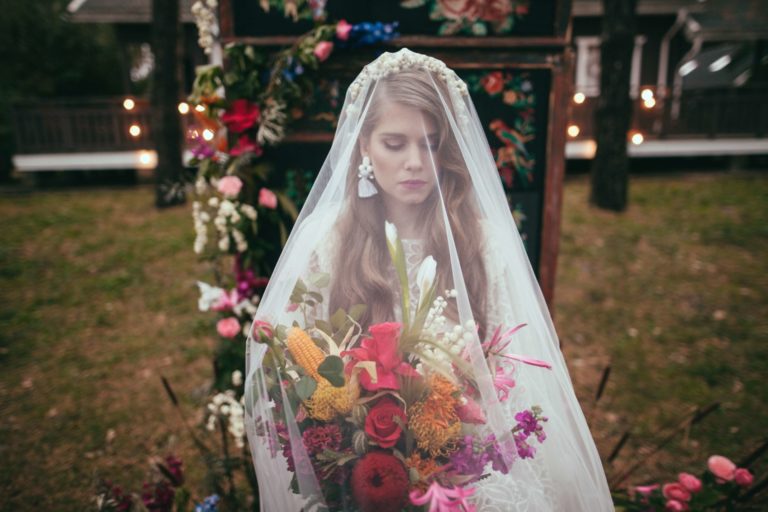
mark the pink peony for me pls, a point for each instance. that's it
(722, 468)
(230, 186)
(323, 50)
(675, 492)
(743, 477)
(690, 482)
(676, 506)
(228, 327)
(342, 30)
(267, 198)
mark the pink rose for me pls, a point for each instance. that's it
(675, 492)
(228, 327)
(493, 82)
(342, 30)
(230, 186)
(675, 505)
(381, 348)
(323, 50)
(267, 198)
(722, 468)
(380, 424)
(690, 482)
(743, 477)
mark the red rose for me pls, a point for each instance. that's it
(493, 83)
(380, 483)
(380, 424)
(241, 115)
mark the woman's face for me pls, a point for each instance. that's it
(399, 148)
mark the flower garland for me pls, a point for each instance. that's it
(239, 210)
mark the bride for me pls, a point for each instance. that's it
(402, 356)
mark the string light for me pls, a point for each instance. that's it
(200, 108)
(134, 130)
(128, 104)
(579, 98)
(637, 138)
(649, 103)
(207, 134)
(573, 130)
(183, 107)
(647, 94)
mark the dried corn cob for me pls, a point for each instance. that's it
(304, 351)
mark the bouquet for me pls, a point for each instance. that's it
(393, 418)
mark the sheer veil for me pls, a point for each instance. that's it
(388, 372)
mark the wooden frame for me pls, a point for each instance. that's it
(550, 53)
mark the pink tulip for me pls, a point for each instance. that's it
(743, 477)
(228, 327)
(675, 492)
(722, 468)
(267, 198)
(690, 482)
(230, 186)
(676, 506)
(342, 30)
(323, 50)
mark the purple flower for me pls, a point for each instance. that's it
(527, 421)
(524, 450)
(202, 150)
(496, 455)
(469, 459)
(158, 496)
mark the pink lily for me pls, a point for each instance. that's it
(503, 383)
(528, 360)
(495, 343)
(444, 499)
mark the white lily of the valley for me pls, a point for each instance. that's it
(426, 277)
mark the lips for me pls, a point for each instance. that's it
(413, 183)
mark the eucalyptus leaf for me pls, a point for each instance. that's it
(320, 279)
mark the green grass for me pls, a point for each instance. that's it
(98, 298)
(674, 294)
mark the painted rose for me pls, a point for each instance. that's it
(230, 186)
(342, 30)
(241, 115)
(690, 482)
(472, 10)
(493, 83)
(743, 477)
(323, 50)
(675, 492)
(267, 198)
(722, 467)
(381, 425)
(228, 327)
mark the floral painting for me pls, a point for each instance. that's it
(473, 17)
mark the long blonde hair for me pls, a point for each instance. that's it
(363, 254)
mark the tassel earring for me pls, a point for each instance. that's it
(365, 186)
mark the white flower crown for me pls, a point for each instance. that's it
(404, 59)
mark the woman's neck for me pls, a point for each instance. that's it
(404, 218)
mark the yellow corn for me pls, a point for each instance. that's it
(304, 351)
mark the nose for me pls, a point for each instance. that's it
(413, 158)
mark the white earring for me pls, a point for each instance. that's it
(365, 186)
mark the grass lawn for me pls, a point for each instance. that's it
(98, 298)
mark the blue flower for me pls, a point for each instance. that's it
(209, 504)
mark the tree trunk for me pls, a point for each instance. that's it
(166, 125)
(610, 168)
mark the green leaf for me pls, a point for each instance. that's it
(320, 279)
(338, 318)
(316, 296)
(305, 387)
(357, 311)
(324, 326)
(332, 368)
